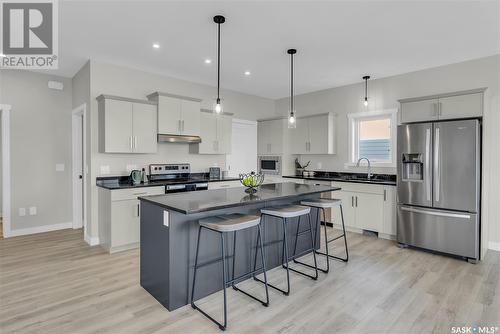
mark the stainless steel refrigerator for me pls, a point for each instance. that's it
(439, 176)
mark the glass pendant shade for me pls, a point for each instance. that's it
(292, 121)
(217, 107)
(366, 102)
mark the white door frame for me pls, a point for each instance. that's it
(79, 111)
(6, 188)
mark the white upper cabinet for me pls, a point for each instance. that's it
(461, 106)
(127, 125)
(144, 125)
(313, 135)
(177, 115)
(447, 106)
(190, 117)
(215, 133)
(270, 137)
(417, 111)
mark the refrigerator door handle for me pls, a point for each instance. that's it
(437, 171)
(436, 213)
(428, 163)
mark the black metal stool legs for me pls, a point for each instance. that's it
(313, 248)
(259, 242)
(225, 281)
(283, 263)
(343, 235)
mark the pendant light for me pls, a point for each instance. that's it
(366, 77)
(219, 19)
(292, 119)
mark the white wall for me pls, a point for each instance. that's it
(384, 93)
(40, 139)
(117, 80)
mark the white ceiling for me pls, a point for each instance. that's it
(337, 42)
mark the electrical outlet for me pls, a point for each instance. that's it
(32, 210)
(22, 212)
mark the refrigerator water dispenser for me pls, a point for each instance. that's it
(412, 167)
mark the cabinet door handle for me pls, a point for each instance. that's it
(385, 195)
(138, 210)
(434, 109)
(440, 109)
(182, 125)
(135, 141)
(356, 201)
(352, 201)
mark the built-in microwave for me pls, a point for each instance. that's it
(270, 165)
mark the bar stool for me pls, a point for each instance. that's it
(223, 225)
(321, 204)
(286, 212)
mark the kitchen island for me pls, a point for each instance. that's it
(169, 227)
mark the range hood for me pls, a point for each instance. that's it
(166, 138)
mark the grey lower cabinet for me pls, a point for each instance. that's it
(127, 125)
(465, 104)
(119, 217)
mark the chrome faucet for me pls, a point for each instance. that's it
(369, 166)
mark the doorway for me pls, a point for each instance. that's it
(79, 166)
(243, 157)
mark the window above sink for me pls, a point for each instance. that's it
(372, 135)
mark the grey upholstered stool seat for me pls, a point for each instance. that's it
(286, 211)
(230, 223)
(322, 203)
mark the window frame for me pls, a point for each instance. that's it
(353, 135)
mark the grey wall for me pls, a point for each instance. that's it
(40, 138)
(384, 93)
(117, 80)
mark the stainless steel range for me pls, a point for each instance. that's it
(177, 177)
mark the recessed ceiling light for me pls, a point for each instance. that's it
(156, 45)
(208, 61)
(247, 73)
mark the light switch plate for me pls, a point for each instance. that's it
(22, 212)
(32, 210)
(59, 167)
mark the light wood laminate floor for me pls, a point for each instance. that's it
(55, 283)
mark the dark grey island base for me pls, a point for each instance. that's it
(169, 227)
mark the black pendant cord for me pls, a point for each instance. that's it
(218, 62)
(366, 77)
(291, 84)
(366, 89)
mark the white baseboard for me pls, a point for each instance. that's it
(494, 246)
(92, 241)
(40, 229)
